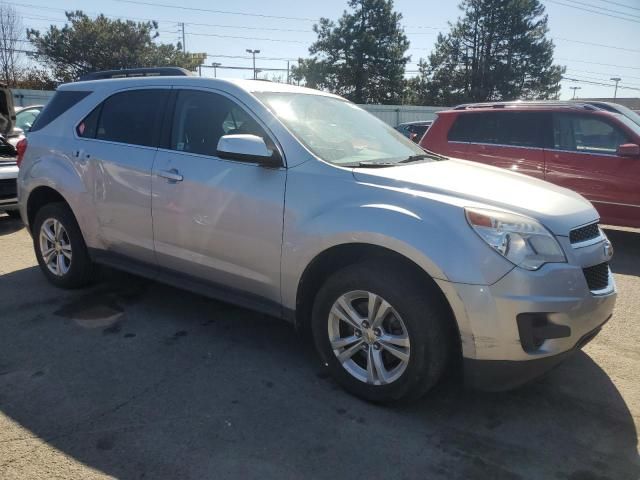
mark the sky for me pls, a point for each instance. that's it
(225, 30)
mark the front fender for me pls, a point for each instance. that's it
(436, 239)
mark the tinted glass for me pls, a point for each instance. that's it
(60, 103)
(522, 129)
(201, 118)
(586, 133)
(132, 117)
(475, 127)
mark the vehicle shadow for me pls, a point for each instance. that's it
(9, 225)
(136, 379)
(626, 258)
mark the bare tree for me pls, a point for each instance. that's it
(12, 37)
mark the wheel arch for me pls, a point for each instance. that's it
(39, 197)
(339, 256)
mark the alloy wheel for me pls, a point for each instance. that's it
(55, 247)
(368, 337)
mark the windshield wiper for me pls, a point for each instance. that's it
(423, 156)
(370, 164)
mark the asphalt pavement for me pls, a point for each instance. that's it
(133, 379)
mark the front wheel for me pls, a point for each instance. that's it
(60, 248)
(382, 333)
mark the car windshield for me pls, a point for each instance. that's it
(340, 132)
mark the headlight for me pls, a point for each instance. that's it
(521, 240)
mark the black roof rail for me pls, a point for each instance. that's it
(527, 103)
(136, 72)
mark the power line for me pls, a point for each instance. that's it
(225, 12)
(582, 9)
(597, 44)
(596, 63)
(602, 73)
(621, 5)
(586, 77)
(585, 4)
(247, 38)
(573, 79)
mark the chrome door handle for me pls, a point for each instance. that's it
(171, 175)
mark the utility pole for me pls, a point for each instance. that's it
(615, 92)
(287, 72)
(253, 52)
(215, 65)
(574, 92)
(184, 46)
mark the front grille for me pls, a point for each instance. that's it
(585, 233)
(8, 188)
(597, 276)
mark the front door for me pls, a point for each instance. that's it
(584, 159)
(215, 220)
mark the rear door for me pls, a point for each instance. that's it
(117, 144)
(583, 158)
(510, 140)
(217, 221)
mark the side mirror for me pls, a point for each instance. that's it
(629, 150)
(248, 148)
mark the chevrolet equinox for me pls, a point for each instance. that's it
(299, 204)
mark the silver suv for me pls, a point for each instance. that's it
(297, 203)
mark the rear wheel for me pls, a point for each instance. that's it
(382, 333)
(60, 248)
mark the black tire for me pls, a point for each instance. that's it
(81, 268)
(423, 312)
(14, 214)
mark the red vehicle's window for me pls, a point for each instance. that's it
(586, 133)
(519, 129)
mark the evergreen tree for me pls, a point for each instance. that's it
(362, 57)
(498, 50)
(86, 45)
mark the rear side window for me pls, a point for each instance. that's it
(132, 117)
(475, 128)
(60, 103)
(521, 129)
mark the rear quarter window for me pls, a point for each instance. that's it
(60, 103)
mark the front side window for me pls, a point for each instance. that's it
(131, 117)
(586, 133)
(201, 118)
(338, 131)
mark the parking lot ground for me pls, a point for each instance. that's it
(134, 379)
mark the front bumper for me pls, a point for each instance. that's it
(499, 351)
(499, 375)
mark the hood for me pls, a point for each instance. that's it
(7, 114)
(469, 184)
